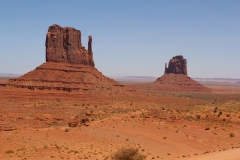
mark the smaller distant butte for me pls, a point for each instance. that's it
(175, 78)
(176, 65)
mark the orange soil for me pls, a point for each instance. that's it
(34, 125)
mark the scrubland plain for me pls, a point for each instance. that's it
(40, 124)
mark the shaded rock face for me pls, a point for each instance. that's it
(64, 45)
(176, 65)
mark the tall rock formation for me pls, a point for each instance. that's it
(176, 65)
(64, 45)
(68, 67)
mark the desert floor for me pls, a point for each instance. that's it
(161, 125)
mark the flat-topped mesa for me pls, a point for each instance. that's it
(176, 65)
(64, 45)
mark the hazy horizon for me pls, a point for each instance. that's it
(12, 75)
(129, 38)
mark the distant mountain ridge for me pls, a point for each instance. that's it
(9, 75)
(147, 78)
(152, 79)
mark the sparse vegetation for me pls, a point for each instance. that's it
(207, 128)
(231, 135)
(9, 152)
(128, 154)
(116, 122)
(198, 116)
(66, 130)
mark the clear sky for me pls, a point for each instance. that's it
(130, 37)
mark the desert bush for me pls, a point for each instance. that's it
(9, 151)
(21, 149)
(198, 116)
(66, 130)
(207, 128)
(220, 113)
(231, 135)
(128, 154)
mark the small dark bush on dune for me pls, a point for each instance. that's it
(128, 154)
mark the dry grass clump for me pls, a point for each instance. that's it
(128, 154)
(9, 152)
(207, 128)
(231, 135)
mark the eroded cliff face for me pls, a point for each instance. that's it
(64, 45)
(176, 65)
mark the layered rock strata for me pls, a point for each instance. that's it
(66, 77)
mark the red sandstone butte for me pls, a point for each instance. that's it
(63, 44)
(68, 67)
(176, 65)
(175, 78)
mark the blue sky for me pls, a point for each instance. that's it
(130, 37)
